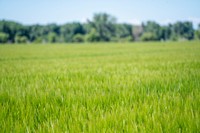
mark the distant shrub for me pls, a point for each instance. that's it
(78, 38)
(148, 36)
(21, 39)
(3, 37)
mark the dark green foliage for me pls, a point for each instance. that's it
(103, 27)
(165, 33)
(152, 30)
(123, 31)
(67, 31)
(183, 30)
(13, 29)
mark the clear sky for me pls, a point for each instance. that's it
(131, 11)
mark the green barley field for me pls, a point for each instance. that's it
(102, 87)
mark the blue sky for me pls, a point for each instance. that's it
(131, 11)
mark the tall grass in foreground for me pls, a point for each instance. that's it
(144, 87)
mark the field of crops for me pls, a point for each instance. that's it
(123, 87)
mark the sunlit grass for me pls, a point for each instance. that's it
(132, 87)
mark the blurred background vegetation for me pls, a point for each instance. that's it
(102, 28)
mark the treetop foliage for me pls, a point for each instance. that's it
(103, 27)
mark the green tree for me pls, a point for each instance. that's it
(123, 32)
(93, 36)
(78, 38)
(197, 33)
(3, 37)
(35, 32)
(165, 33)
(12, 29)
(183, 30)
(148, 36)
(21, 39)
(153, 30)
(69, 30)
(104, 26)
(52, 37)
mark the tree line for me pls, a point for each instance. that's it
(102, 28)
